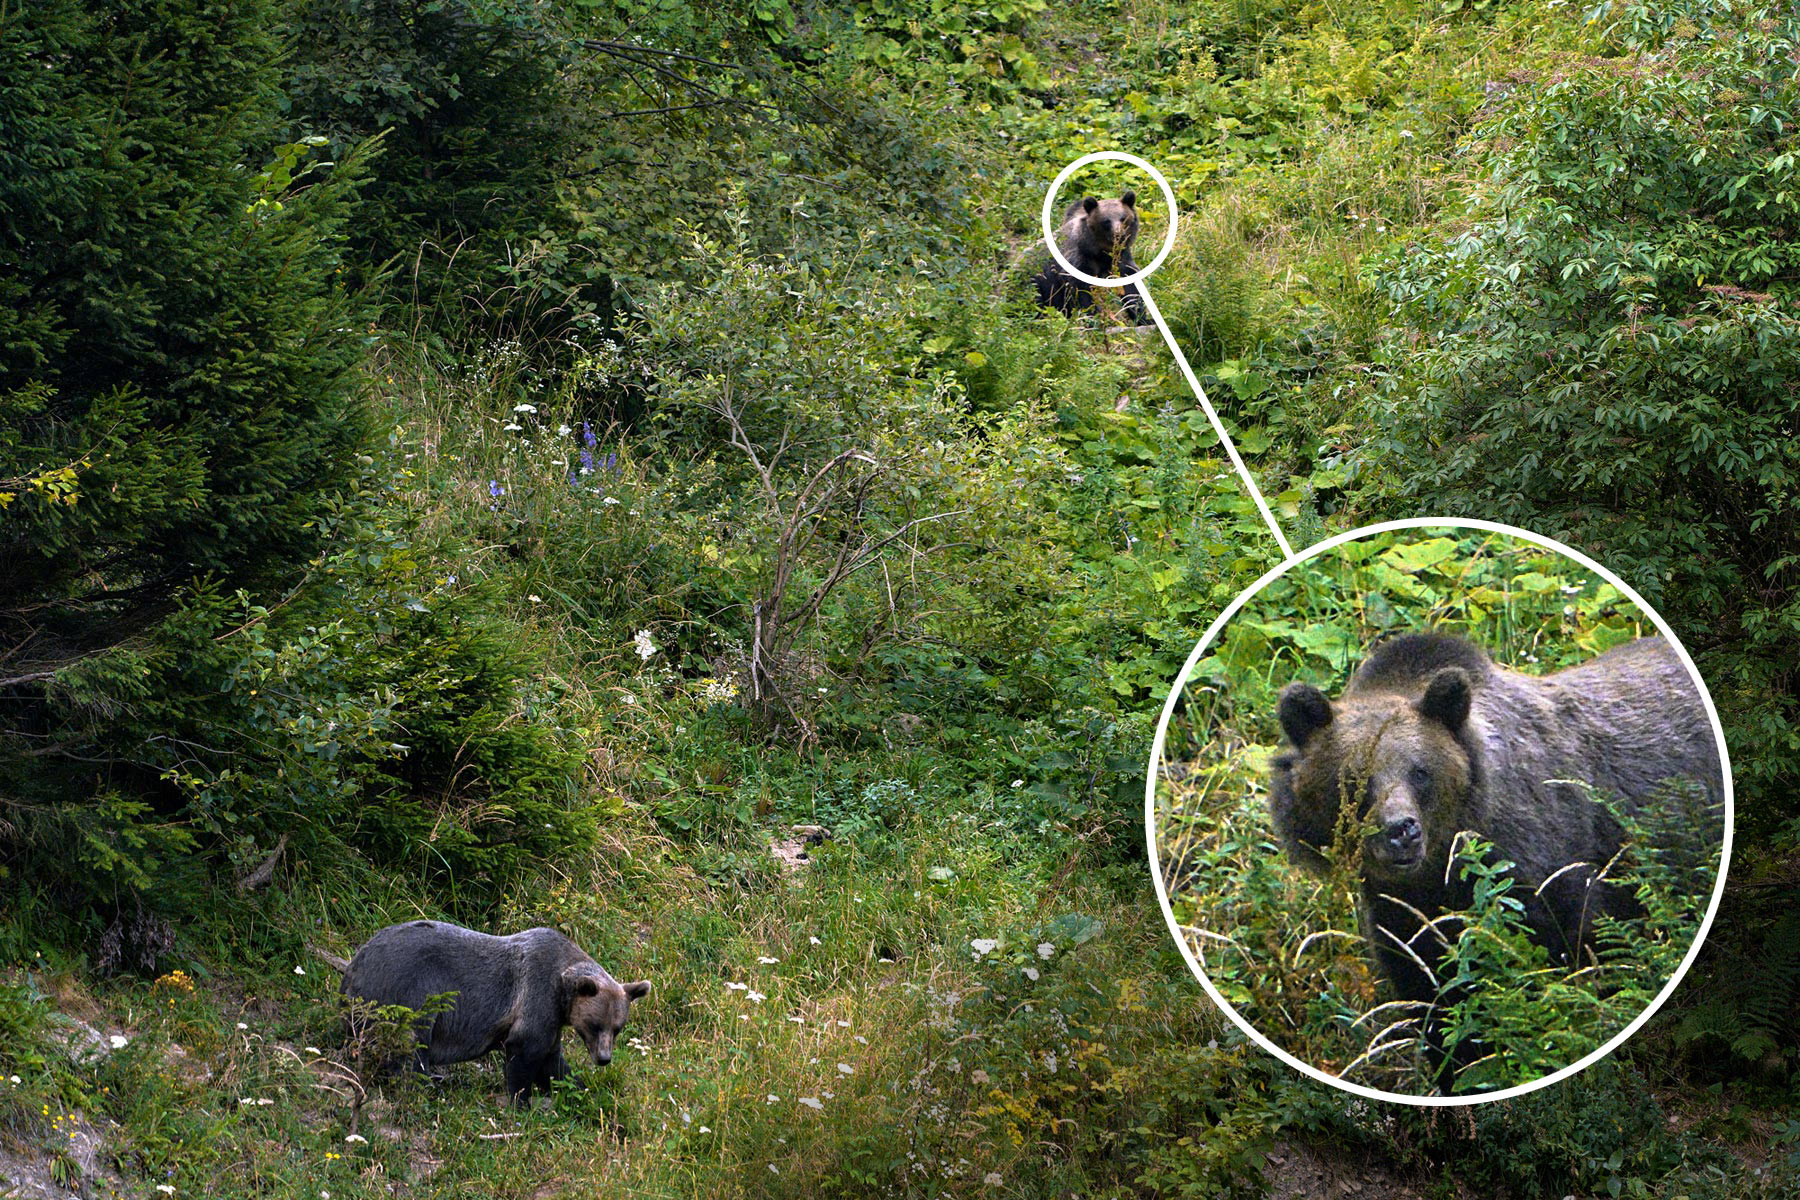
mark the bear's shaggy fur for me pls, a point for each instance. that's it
(1096, 237)
(1432, 738)
(513, 994)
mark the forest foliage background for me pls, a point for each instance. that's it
(507, 460)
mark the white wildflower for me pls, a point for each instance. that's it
(1045, 949)
(299, 970)
(766, 961)
(983, 946)
(846, 1069)
(646, 649)
(813, 1102)
(1031, 973)
(992, 1179)
(119, 1041)
(978, 1076)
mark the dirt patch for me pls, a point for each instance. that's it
(793, 851)
(1300, 1171)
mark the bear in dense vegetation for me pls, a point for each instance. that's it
(1096, 237)
(1432, 738)
(512, 993)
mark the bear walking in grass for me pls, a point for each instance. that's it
(514, 994)
(1096, 238)
(1431, 738)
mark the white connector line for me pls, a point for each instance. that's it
(1218, 426)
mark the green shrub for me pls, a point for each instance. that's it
(479, 127)
(1605, 352)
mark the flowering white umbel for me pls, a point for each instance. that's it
(983, 946)
(646, 649)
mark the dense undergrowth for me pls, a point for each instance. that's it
(516, 483)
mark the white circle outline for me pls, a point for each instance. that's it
(1156, 753)
(1168, 194)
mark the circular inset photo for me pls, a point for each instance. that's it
(1439, 811)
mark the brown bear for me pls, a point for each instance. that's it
(513, 994)
(1096, 237)
(1431, 738)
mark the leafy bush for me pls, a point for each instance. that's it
(475, 109)
(1605, 353)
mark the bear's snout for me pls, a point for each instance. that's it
(1405, 840)
(1397, 841)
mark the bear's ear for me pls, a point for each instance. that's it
(1446, 698)
(1090, 206)
(1129, 199)
(1304, 711)
(638, 990)
(581, 981)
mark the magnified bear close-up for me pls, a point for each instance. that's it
(1431, 741)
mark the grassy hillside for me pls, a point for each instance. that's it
(706, 471)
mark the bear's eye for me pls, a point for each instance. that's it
(1419, 777)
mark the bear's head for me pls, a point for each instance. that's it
(596, 1004)
(1391, 765)
(1110, 226)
